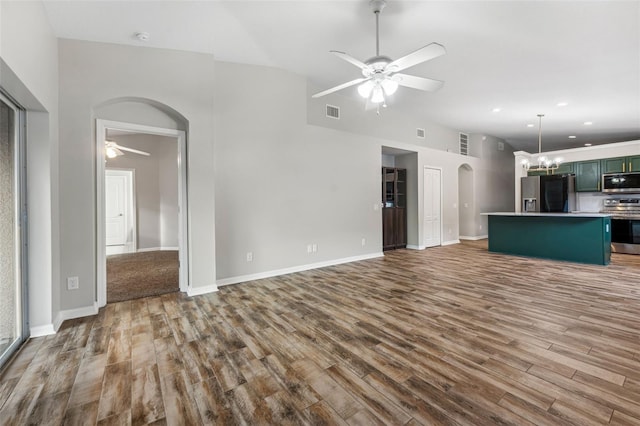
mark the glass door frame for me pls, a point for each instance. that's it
(20, 216)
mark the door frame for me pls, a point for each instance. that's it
(130, 216)
(183, 244)
(422, 240)
(21, 227)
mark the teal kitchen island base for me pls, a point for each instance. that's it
(573, 237)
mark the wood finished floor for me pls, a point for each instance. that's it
(450, 335)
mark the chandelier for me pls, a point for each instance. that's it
(544, 164)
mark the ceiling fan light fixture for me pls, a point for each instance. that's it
(366, 88)
(378, 95)
(390, 86)
(112, 152)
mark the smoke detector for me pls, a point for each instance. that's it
(142, 36)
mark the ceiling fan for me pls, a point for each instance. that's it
(113, 150)
(381, 76)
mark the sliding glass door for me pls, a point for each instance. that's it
(13, 330)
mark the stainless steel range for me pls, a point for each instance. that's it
(625, 224)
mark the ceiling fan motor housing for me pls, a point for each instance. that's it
(376, 64)
(377, 5)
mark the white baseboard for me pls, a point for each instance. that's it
(275, 273)
(85, 311)
(412, 247)
(158, 249)
(476, 238)
(42, 330)
(448, 243)
(202, 290)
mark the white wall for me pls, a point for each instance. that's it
(156, 182)
(178, 83)
(29, 73)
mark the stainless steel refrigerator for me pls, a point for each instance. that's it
(548, 194)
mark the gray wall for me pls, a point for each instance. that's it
(467, 216)
(410, 162)
(391, 124)
(29, 72)
(282, 183)
(284, 177)
(156, 182)
(180, 84)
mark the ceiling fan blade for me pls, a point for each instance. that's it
(340, 87)
(420, 83)
(135, 151)
(426, 53)
(350, 59)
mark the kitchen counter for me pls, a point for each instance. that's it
(582, 237)
(533, 214)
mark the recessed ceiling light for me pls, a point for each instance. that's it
(496, 110)
(529, 125)
(588, 123)
(587, 144)
(562, 104)
(142, 36)
(572, 137)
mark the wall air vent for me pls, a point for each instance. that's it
(420, 133)
(464, 144)
(333, 112)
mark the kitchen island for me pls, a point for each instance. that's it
(573, 237)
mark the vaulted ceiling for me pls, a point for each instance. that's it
(521, 57)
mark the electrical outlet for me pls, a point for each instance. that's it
(73, 283)
(309, 248)
(364, 242)
(250, 256)
(315, 248)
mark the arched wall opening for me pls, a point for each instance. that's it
(153, 121)
(466, 210)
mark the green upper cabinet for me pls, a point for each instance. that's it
(613, 165)
(620, 164)
(633, 164)
(564, 168)
(587, 176)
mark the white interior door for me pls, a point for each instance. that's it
(119, 233)
(432, 234)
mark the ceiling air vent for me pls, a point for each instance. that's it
(333, 112)
(420, 133)
(464, 144)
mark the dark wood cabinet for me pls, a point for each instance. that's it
(394, 210)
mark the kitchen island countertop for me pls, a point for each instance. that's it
(534, 214)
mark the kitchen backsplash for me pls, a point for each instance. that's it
(593, 201)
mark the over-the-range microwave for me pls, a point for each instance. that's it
(621, 182)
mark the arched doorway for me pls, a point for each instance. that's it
(466, 202)
(167, 125)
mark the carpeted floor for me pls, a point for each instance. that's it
(135, 275)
